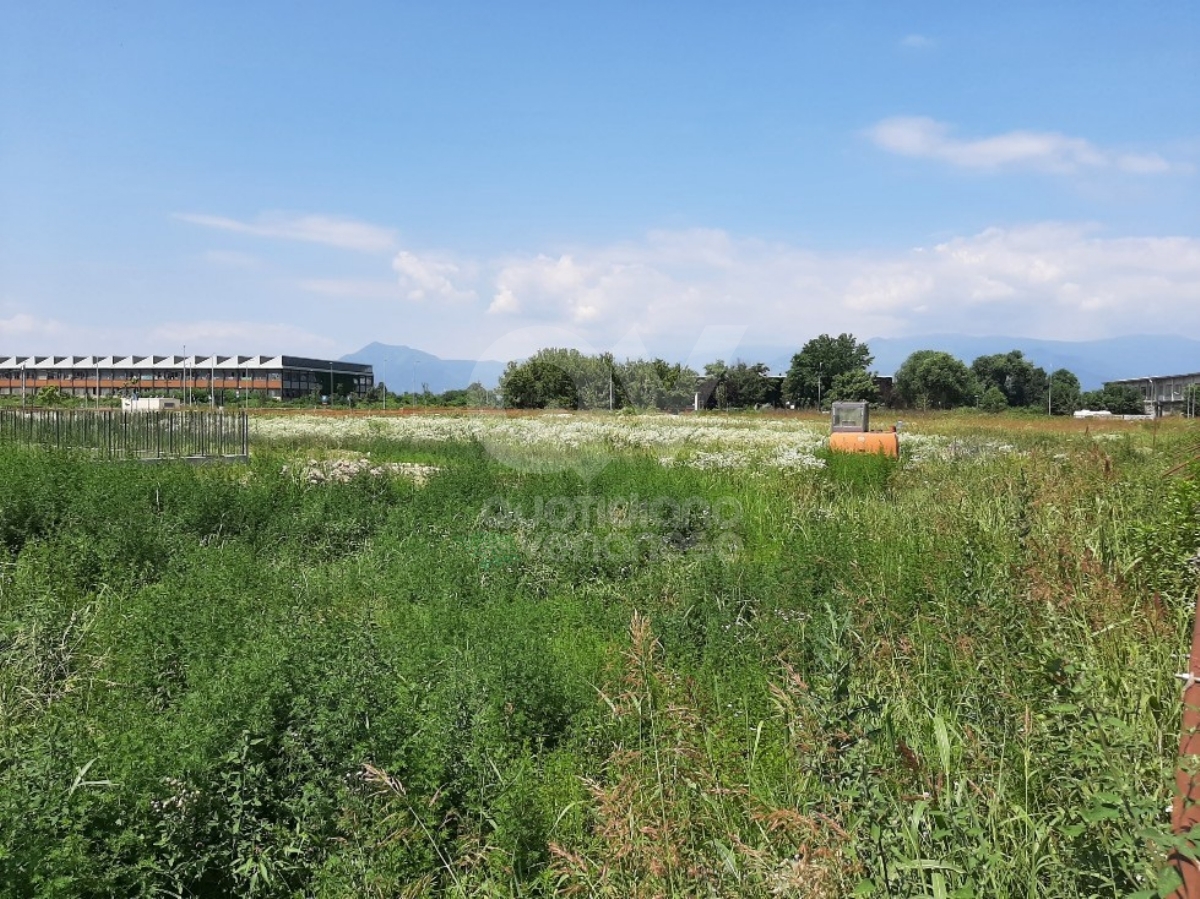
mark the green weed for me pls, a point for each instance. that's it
(945, 677)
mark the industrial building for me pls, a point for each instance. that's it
(229, 378)
(1167, 394)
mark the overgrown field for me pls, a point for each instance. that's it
(596, 657)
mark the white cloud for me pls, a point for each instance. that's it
(1142, 164)
(1049, 279)
(504, 302)
(1043, 151)
(428, 277)
(917, 42)
(585, 290)
(22, 326)
(37, 334)
(343, 233)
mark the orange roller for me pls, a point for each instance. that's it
(850, 432)
(871, 442)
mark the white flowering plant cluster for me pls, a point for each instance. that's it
(919, 448)
(182, 797)
(343, 470)
(700, 442)
(585, 442)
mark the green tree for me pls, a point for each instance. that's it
(742, 385)
(819, 361)
(51, 395)
(715, 374)
(930, 379)
(538, 384)
(473, 396)
(377, 393)
(477, 395)
(856, 385)
(656, 384)
(1021, 382)
(593, 375)
(748, 384)
(1063, 393)
(993, 400)
(594, 378)
(1119, 399)
(1122, 400)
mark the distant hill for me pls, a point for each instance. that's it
(403, 368)
(1092, 361)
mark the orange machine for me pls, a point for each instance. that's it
(850, 433)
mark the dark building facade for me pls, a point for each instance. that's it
(1167, 394)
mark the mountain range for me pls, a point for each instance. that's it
(1094, 362)
(405, 369)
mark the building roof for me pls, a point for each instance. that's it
(149, 363)
(1144, 378)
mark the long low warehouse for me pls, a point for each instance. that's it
(269, 377)
(1167, 394)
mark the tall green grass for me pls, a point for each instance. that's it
(877, 679)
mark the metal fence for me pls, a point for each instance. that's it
(130, 435)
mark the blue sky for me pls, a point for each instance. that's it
(483, 179)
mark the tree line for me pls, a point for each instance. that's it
(826, 369)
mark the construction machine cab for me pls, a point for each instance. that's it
(849, 431)
(850, 418)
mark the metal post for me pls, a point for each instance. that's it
(385, 362)
(22, 385)
(1185, 812)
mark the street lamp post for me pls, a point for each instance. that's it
(22, 385)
